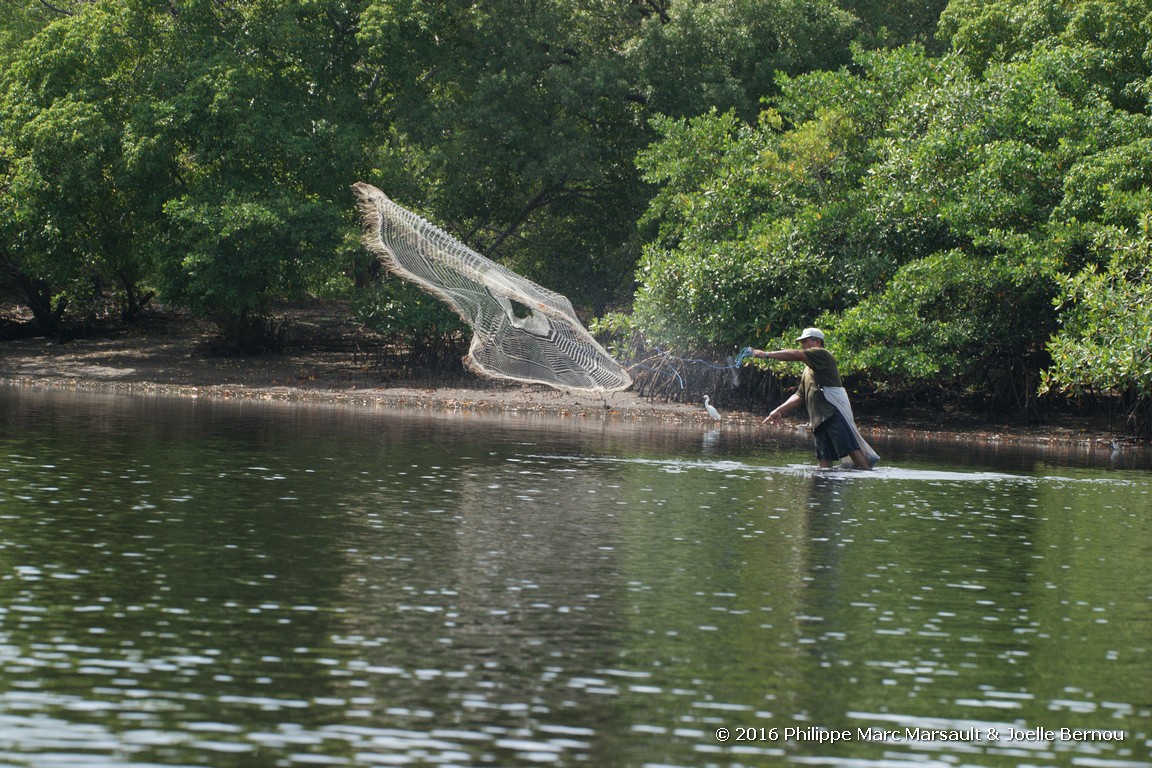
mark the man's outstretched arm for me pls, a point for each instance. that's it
(796, 355)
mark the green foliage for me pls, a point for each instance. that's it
(415, 321)
(153, 146)
(893, 23)
(528, 117)
(735, 168)
(972, 153)
(206, 152)
(617, 332)
(22, 19)
(70, 214)
(727, 54)
(878, 83)
(1119, 31)
(523, 119)
(236, 253)
(262, 125)
(756, 226)
(1113, 185)
(921, 212)
(728, 295)
(977, 168)
(1104, 343)
(949, 317)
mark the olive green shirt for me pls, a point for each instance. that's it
(820, 371)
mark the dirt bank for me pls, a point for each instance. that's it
(327, 357)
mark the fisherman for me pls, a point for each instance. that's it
(829, 411)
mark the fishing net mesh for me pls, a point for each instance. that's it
(521, 331)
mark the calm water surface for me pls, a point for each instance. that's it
(242, 584)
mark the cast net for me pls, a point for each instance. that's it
(521, 331)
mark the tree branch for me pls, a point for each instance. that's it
(55, 9)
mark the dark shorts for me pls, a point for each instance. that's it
(834, 439)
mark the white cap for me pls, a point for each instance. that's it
(811, 333)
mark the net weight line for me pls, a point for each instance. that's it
(665, 366)
(521, 331)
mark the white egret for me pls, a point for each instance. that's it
(711, 410)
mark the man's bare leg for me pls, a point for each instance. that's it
(859, 459)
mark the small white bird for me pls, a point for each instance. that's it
(711, 411)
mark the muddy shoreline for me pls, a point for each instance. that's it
(330, 360)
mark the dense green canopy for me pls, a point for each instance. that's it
(959, 193)
(964, 221)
